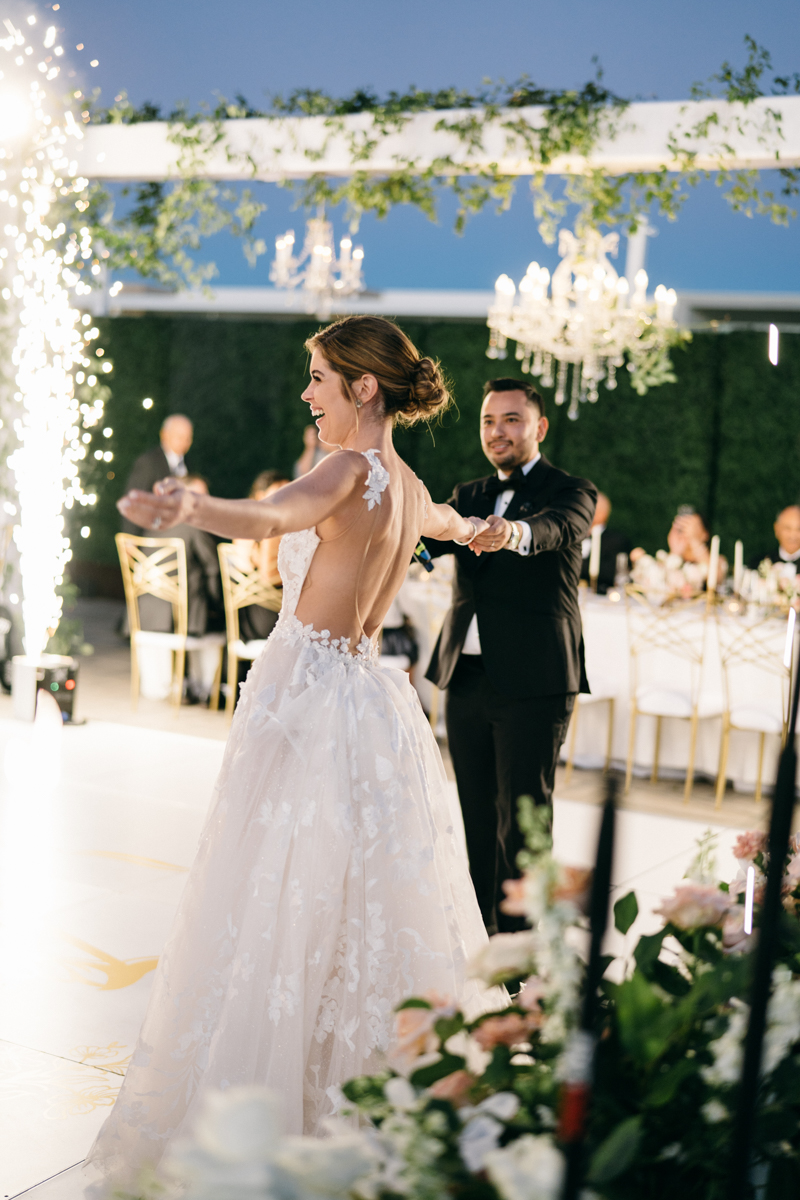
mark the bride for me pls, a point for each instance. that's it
(331, 879)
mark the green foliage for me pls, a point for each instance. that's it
(167, 222)
(626, 910)
(536, 823)
(617, 1152)
(730, 417)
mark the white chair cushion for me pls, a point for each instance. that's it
(760, 720)
(247, 649)
(661, 702)
(167, 641)
(400, 662)
(596, 695)
(206, 641)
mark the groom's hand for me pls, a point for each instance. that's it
(494, 537)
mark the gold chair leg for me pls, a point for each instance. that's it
(571, 750)
(610, 733)
(723, 762)
(761, 736)
(213, 702)
(656, 752)
(177, 683)
(631, 747)
(434, 713)
(134, 675)
(233, 675)
(687, 791)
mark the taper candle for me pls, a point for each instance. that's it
(713, 564)
(594, 556)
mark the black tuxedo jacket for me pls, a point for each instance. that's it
(611, 544)
(146, 472)
(528, 616)
(772, 553)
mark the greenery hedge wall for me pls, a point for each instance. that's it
(725, 437)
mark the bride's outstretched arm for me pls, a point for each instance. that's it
(298, 505)
(444, 524)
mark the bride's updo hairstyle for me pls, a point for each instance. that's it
(412, 388)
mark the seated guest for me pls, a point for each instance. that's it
(689, 554)
(612, 543)
(787, 536)
(166, 459)
(202, 576)
(256, 621)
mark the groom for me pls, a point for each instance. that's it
(511, 650)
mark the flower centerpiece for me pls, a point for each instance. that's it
(771, 585)
(668, 576)
(471, 1107)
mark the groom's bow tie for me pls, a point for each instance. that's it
(496, 485)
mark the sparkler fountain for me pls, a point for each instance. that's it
(41, 263)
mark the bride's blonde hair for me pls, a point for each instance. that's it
(412, 387)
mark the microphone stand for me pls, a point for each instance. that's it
(780, 825)
(579, 1055)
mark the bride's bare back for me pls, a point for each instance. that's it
(365, 549)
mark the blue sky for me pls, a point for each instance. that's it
(172, 50)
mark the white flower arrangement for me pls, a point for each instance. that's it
(666, 575)
(771, 585)
(474, 1109)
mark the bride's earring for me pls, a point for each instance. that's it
(358, 403)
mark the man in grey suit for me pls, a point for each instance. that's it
(176, 437)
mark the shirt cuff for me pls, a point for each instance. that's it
(524, 547)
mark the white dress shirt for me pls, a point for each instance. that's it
(586, 544)
(786, 557)
(177, 466)
(472, 642)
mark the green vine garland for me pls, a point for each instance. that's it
(168, 221)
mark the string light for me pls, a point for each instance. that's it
(37, 129)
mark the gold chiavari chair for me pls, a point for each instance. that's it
(157, 567)
(242, 584)
(667, 645)
(756, 661)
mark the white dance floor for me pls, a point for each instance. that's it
(99, 825)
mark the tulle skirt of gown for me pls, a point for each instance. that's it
(330, 883)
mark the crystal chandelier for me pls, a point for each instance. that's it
(316, 269)
(589, 321)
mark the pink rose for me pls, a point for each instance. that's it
(510, 1030)
(455, 1088)
(574, 884)
(695, 905)
(749, 844)
(514, 903)
(415, 1034)
(533, 991)
(734, 938)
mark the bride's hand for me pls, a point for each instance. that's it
(479, 526)
(170, 503)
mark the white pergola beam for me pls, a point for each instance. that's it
(272, 149)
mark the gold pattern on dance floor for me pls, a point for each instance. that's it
(63, 1088)
(104, 971)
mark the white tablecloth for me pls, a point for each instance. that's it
(605, 634)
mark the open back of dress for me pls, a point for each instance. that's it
(331, 880)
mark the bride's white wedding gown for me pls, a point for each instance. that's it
(330, 883)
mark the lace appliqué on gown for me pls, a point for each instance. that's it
(331, 881)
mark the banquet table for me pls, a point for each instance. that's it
(425, 600)
(605, 631)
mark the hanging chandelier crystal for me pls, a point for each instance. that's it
(589, 321)
(321, 275)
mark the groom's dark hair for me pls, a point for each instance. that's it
(515, 385)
